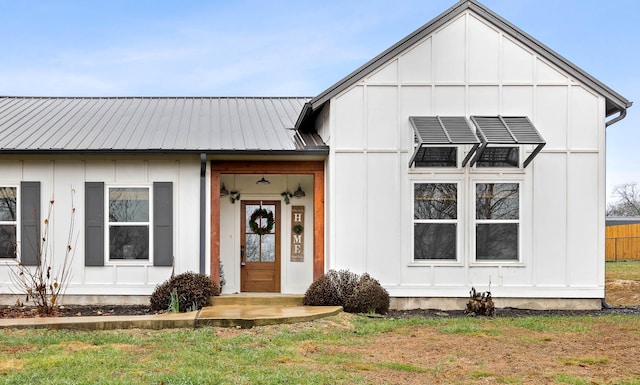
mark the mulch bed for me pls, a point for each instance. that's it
(510, 312)
(127, 310)
(77, 311)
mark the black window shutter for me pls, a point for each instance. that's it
(30, 223)
(94, 224)
(162, 223)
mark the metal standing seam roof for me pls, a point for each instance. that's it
(162, 124)
(614, 101)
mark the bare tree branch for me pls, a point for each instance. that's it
(627, 203)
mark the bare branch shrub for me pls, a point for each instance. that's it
(184, 292)
(368, 297)
(331, 289)
(480, 303)
(355, 293)
(45, 283)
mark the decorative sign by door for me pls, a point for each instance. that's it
(297, 233)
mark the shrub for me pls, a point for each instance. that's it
(45, 284)
(368, 297)
(356, 294)
(480, 303)
(332, 289)
(193, 292)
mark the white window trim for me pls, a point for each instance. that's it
(458, 221)
(107, 239)
(15, 260)
(473, 221)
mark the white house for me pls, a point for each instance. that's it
(466, 155)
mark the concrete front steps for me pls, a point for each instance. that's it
(248, 309)
(258, 299)
(233, 310)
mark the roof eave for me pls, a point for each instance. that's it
(319, 150)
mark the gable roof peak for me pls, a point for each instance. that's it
(615, 103)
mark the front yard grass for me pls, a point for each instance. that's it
(625, 270)
(344, 349)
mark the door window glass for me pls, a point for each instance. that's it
(260, 240)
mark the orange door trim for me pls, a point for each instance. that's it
(315, 168)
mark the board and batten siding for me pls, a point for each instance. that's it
(468, 67)
(176, 180)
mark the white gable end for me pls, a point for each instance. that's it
(387, 74)
(545, 73)
(484, 51)
(468, 66)
(416, 63)
(449, 51)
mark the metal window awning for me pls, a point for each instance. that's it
(515, 130)
(442, 131)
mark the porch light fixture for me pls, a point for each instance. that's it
(263, 181)
(223, 191)
(299, 193)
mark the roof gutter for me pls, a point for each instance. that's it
(622, 115)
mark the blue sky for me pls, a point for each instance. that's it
(286, 48)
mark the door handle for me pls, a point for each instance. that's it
(242, 258)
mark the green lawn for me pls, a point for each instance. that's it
(344, 349)
(623, 270)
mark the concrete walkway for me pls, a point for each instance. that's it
(243, 311)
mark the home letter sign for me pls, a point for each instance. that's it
(297, 233)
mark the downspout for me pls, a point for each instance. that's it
(203, 205)
(623, 114)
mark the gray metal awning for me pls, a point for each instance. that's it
(515, 130)
(442, 131)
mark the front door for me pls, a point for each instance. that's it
(260, 246)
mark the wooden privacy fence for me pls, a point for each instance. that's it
(623, 242)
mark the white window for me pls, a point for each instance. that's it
(435, 221)
(129, 223)
(8, 222)
(497, 221)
